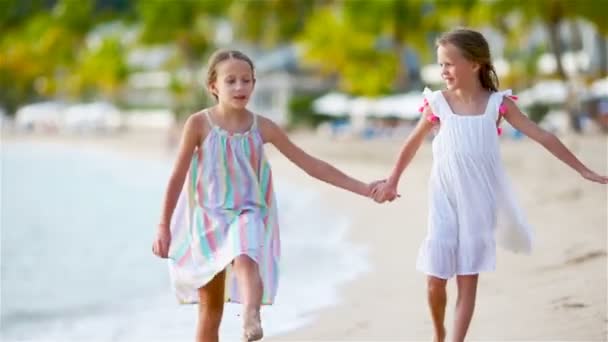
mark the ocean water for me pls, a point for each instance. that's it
(76, 263)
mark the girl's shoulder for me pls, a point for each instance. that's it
(505, 96)
(433, 101)
(501, 94)
(267, 127)
(198, 125)
(202, 119)
(263, 121)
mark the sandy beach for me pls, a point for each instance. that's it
(557, 293)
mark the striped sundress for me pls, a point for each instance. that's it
(227, 208)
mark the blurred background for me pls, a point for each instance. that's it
(93, 94)
(110, 64)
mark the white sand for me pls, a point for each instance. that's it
(558, 293)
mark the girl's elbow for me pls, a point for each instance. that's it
(315, 171)
(546, 138)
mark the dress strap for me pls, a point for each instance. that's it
(254, 124)
(208, 116)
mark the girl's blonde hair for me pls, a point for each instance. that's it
(221, 55)
(473, 47)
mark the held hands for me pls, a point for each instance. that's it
(160, 247)
(381, 191)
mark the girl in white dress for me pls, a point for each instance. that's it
(471, 202)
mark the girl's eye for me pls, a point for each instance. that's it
(230, 81)
(246, 81)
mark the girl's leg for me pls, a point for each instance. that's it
(210, 309)
(465, 304)
(251, 287)
(437, 298)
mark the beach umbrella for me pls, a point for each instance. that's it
(545, 92)
(336, 104)
(599, 88)
(362, 107)
(404, 106)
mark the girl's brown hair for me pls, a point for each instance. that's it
(221, 55)
(473, 47)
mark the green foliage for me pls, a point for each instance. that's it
(595, 12)
(537, 112)
(270, 22)
(100, 70)
(74, 15)
(301, 113)
(14, 12)
(359, 42)
(335, 47)
(162, 21)
(40, 48)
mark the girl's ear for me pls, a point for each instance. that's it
(211, 88)
(476, 67)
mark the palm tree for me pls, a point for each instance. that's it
(404, 23)
(551, 13)
(337, 47)
(271, 22)
(40, 48)
(595, 12)
(189, 24)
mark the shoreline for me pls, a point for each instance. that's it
(560, 290)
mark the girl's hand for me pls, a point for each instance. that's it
(385, 192)
(374, 186)
(161, 244)
(594, 177)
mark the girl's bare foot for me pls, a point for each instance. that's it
(252, 325)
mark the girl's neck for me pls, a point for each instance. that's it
(230, 114)
(469, 94)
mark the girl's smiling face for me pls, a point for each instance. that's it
(456, 70)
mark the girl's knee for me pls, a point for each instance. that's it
(436, 285)
(245, 260)
(210, 313)
(467, 283)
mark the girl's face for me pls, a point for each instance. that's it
(456, 70)
(234, 83)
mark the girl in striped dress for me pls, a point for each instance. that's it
(219, 226)
(471, 204)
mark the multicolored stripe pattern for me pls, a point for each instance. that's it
(227, 208)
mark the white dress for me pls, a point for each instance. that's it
(471, 202)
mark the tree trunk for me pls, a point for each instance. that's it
(402, 77)
(556, 47)
(601, 46)
(557, 50)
